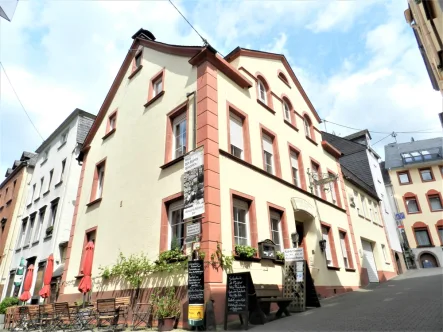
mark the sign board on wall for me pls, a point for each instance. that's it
(193, 184)
(294, 254)
(400, 216)
(196, 293)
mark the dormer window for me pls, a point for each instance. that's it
(262, 92)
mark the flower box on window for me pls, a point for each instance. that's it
(267, 250)
(49, 230)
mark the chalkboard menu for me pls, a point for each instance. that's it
(196, 282)
(237, 292)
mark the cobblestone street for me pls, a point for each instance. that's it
(410, 302)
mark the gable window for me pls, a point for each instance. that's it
(176, 225)
(422, 237)
(158, 86)
(268, 153)
(286, 111)
(294, 168)
(241, 222)
(262, 95)
(276, 231)
(343, 249)
(435, 202)
(111, 125)
(283, 78)
(426, 175)
(138, 59)
(45, 155)
(309, 129)
(328, 253)
(411, 203)
(179, 136)
(112, 121)
(236, 135)
(404, 177)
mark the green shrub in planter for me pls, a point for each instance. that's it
(245, 251)
(280, 256)
(7, 302)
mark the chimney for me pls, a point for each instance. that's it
(412, 139)
(144, 34)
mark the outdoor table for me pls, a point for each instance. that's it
(141, 314)
(84, 317)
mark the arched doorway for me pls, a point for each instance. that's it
(428, 260)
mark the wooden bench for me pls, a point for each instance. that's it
(267, 294)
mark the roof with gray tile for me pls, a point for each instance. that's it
(358, 134)
(348, 175)
(344, 145)
(393, 151)
(385, 173)
(84, 125)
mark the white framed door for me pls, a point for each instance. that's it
(369, 261)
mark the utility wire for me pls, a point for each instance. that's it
(391, 134)
(205, 42)
(18, 98)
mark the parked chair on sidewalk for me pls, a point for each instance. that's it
(107, 312)
(46, 316)
(63, 319)
(122, 305)
(11, 317)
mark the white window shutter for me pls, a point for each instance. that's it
(236, 128)
(328, 245)
(267, 144)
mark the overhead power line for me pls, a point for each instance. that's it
(18, 98)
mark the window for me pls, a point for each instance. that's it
(286, 111)
(63, 251)
(42, 181)
(45, 155)
(276, 232)
(158, 86)
(13, 188)
(316, 176)
(241, 223)
(385, 255)
(307, 127)
(403, 177)
(64, 138)
(112, 124)
(371, 211)
(435, 202)
(62, 171)
(10, 283)
(39, 279)
(283, 78)
(51, 173)
(39, 226)
(363, 204)
(98, 182)
(422, 237)
(33, 193)
(90, 236)
(325, 236)
(262, 94)
(53, 214)
(138, 60)
(6, 195)
(426, 175)
(21, 238)
(30, 228)
(440, 233)
(376, 218)
(294, 168)
(176, 225)
(179, 136)
(411, 205)
(236, 135)
(268, 153)
(333, 189)
(343, 249)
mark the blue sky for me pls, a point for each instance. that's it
(358, 61)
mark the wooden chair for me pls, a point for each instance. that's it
(63, 318)
(107, 311)
(122, 304)
(26, 318)
(11, 317)
(142, 314)
(46, 316)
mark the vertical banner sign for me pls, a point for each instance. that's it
(196, 294)
(193, 185)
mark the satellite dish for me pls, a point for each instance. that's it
(7, 9)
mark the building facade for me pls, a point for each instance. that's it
(426, 19)
(263, 153)
(416, 172)
(359, 157)
(45, 223)
(12, 193)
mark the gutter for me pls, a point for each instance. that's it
(194, 115)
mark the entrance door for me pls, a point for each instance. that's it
(369, 261)
(428, 260)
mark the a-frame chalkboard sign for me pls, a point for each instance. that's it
(240, 292)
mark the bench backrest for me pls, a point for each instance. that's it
(126, 300)
(267, 290)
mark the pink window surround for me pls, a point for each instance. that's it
(160, 75)
(316, 163)
(283, 77)
(177, 111)
(164, 219)
(85, 242)
(92, 199)
(252, 216)
(438, 226)
(331, 244)
(134, 68)
(301, 169)
(311, 128)
(421, 226)
(283, 223)
(230, 108)
(409, 195)
(336, 187)
(432, 193)
(273, 136)
(109, 131)
(285, 98)
(269, 106)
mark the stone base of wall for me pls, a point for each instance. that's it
(329, 291)
(386, 275)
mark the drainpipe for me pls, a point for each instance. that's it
(194, 115)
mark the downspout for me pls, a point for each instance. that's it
(194, 116)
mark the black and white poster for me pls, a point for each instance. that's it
(193, 184)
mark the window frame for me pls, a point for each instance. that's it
(335, 187)
(309, 128)
(152, 94)
(53, 213)
(342, 236)
(241, 204)
(439, 228)
(177, 123)
(317, 188)
(348, 249)
(283, 78)
(100, 168)
(169, 139)
(86, 239)
(30, 228)
(138, 57)
(264, 98)
(177, 205)
(385, 254)
(267, 102)
(40, 221)
(22, 235)
(275, 216)
(284, 237)
(245, 129)
(434, 194)
(42, 182)
(407, 196)
(252, 217)
(276, 154)
(430, 172)
(62, 170)
(111, 124)
(405, 172)
(301, 171)
(330, 243)
(422, 228)
(51, 176)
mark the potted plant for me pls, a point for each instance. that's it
(166, 308)
(49, 230)
(280, 256)
(245, 251)
(6, 303)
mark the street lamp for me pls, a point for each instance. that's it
(322, 244)
(294, 238)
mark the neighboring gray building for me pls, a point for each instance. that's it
(359, 158)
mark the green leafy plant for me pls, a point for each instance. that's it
(165, 303)
(6, 303)
(280, 256)
(49, 230)
(245, 251)
(220, 260)
(172, 255)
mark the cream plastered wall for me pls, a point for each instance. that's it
(128, 217)
(241, 178)
(369, 229)
(420, 189)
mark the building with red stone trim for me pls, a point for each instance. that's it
(262, 152)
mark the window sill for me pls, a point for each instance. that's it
(424, 181)
(109, 133)
(135, 72)
(44, 162)
(35, 243)
(265, 106)
(47, 237)
(418, 212)
(8, 202)
(291, 125)
(46, 192)
(311, 140)
(36, 200)
(172, 162)
(95, 201)
(405, 184)
(61, 145)
(334, 268)
(387, 263)
(246, 259)
(150, 102)
(428, 246)
(26, 247)
(29, 205)
(58, 184)
(368, 219)
(431, 210)
(18, 250)
(349, 270)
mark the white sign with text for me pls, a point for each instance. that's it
(294, 254)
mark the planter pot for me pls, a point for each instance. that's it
(166, 324)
